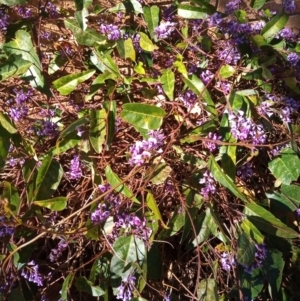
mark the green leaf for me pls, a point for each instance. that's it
(265, 221)
(285, 168)
(207, 290)
(178, 63)
(139, 69)
(145, 43)
(73, 127)
(274, 25)
(10, 193)
(13, 66)
(29, 173)
(97, 129)
(115, 183)
(12, 2)
(292, 192)
(55, 204)
(84, 285)
(281, 201)
(226, 71)
(108, 62)
(89, 37)
(126, 49)
(292, 83)
(274, 265)
(151, 15)
(6, 124)
(167, 80)
(143, 116)
(191, 12)
(65, 143)
(56, 63)
(152, 205)
(48, 178)
(22, 45)
(246, 250)
(67, 84)
(127, 251)
(15, 294)
(257, 4)
(4, 145)
(80, 4)
(81, 17)
(161, 173)
(65, 287)
(224, 180)
(198, 87)
(252, 231)
(110, 107)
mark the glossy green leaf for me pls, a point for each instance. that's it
(139, 68)
(252, 231)
(22, 45)
(65, 143)
(84, 285)
(152, 205)
(281, 201)
(207, 290)
(265, 221)
(66, 286)
(81, 17)
(226, 71)
(7, 124)
(151, 15)
(274, 25)
(257, 4)
(167, 80)
(97, 131)
(5, 137)
(191, 12)
(89, 37)
(12, 2)
(285, 168)
(10, 193)
(48, 178)
(127, 250)
(107, 62)
(143, 116)
(198, 87)
(178, 63)
(146, 44)
(126, 49)
(246, 250)
(67, 84)
(117, 184)
(73, 127)
(55, 204)
(13, 66)
(111, 111)
(292, 192)
(56, 63)
(224, 180)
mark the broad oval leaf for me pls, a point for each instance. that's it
(151, 15)
(66, 84)
(143, 115)
(126, 49)
(55, 204)
(84, 285)
(257, 4)
(246, 250)
(13, 66)
(167, 80)
(97, 129)
(226, 71)
(207, 290)
(275, 25)
(146, 43)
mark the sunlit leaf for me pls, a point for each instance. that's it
(57, 61)
(13, 66)
(10, 193)
(167, 80)
(55, 204)
(191, 12)
(274, 25)
(257, 4)
(66, 286)
(292, 192)
(110, 107)
(7, 124)
(151, 15)
(126, 49)
(5, 137)
(207, 290)
(226, 71)
(12, 2)
(97, 129)
(152, 204)
(252, 231)
(146, 43)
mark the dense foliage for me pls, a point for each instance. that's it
(149, 151)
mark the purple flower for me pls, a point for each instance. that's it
(5, 231)
(286, 33)
(56, 253)
(210, 184)
(164, 30)
(169, 13)
(45, 35)
(46, 128)
(259, 258)
(227, 261)
(215, 19)
(293, 58)
(229, 54)
(277, 149)
(75, 172)
(289, 6)
(210, 145)
(51, 9)
(4, 20)
(298, 212)
(206, 76)
(111, 31)
(126, 288)
(24, 11)
(31, 273)
(245, 172)
(264, 108)
(189, 98)
(231, 6)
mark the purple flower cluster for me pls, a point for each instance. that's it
(227, 261)
(112, 31)
(141, 151)
(20, 109)
(24, 11)
(210, 184)
(51, 9)
(31, 273)
(286, 33)
(56, 253)
(289, 6)
(231, 6)
(164, 30)
(210, 145)
(4, 19)
(111, 201)
(189, 98)
(298, 212)
(46, 128)
(126, 288)
(229, 53)
(224, 86)
(245, 172)
(5, 231)
(169, 13)
(293, 59)
(206, 76)
(289, 106)
(75, 172)
(243, 128)
(277, 149)
(259, 258)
